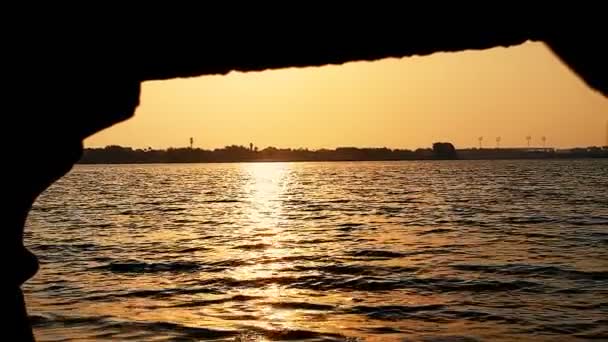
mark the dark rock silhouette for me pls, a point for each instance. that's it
(69, 76)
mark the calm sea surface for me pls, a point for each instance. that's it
(370, 251)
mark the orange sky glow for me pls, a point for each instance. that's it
(398, 103)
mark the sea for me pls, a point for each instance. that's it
(323, 251)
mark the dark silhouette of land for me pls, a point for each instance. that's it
(125, 155)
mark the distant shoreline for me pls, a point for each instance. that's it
(240, 154)
(327, 161)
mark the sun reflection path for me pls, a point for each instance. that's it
(266, 188)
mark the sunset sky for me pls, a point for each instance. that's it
(397, 103)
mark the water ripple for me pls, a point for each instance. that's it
(385, 251)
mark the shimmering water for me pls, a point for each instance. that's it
(378, 251)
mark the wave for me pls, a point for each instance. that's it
(528, 220)
(347, 227)
(264, 234)
(301, 306)
(223, 201)
(170, 209)
(436, 231)
(383, 330)
(197, 303)
(470, 222)
(588, 221)
(313, 241)
(315, 207)
(155, 294)
(339, 201)
(374, 283)
(480, 316)
(255, 246)
(435, 313)
(64, 247)
(100, 325)
(392, 312)
(45, 320)
(184, 221)
(318, 217)
(350, 224)
(539, 235)
(373, 270)
(534, 270)
(376, 253)
(288, 258)
(193, 249)
(106, 327)
(144, 267)
(102, 225)
(590, 329)
(586, 306)
(208, 237)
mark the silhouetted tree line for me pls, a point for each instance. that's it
(114, 154)
(117, 154)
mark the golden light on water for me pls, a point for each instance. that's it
(265, 189)
(266, 184)
(283, 251)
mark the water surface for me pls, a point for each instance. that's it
(374, 251)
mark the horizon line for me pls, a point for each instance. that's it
(353, 147)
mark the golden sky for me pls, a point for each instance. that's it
(398, 103)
